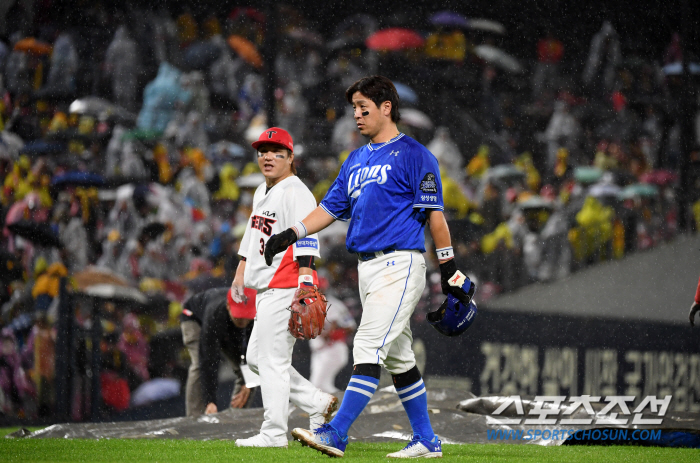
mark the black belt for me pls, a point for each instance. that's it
(365, 256)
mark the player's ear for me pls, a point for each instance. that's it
(386, 106)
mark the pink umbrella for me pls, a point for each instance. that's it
(660, 177)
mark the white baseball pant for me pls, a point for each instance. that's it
(326, 363)
(269, 355)
(390, 287)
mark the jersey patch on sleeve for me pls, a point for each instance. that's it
(308, 243)
(428, 184)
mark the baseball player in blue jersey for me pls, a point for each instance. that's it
(391, 190)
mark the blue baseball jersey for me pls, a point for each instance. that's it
(385, 189)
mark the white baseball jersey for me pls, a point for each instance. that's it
(273, 212)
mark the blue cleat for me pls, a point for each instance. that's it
(420, 448)
(325, 439)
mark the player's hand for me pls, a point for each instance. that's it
(238, 292)
(693, 310)
(211, 409)
(239, 400)
(279, 243)
(455, 282)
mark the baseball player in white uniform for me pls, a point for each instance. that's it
(277, 204)
(329, 351)
(391, 190)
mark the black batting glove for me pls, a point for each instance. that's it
(279, 243)
(455, 282)
(693, 310)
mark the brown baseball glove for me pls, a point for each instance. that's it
(308, 315)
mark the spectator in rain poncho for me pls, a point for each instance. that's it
(121, 65)
(562, 131)
(447, 44)
(179, 257)
(299, 64)
(162, 96)
(345, 135)
(154, 262)
(222, 74)
(132, 164)
(130, 211)
(113, 152)
(188, 131)
(603, 59)
(250, 97)
(194, 190)
(17, 73)
(64, 67)
(549, 53)
(228, 189)
(446, 152)
(294, 110)
(74, 238)
(164, 33)
(193, 83)
(111, 250)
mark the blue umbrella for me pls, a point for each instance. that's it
(676, 69)
(43, 148)
(406, 93)
(449, 18)
(76, 178)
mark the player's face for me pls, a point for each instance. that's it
(275, 162)
(370, 119)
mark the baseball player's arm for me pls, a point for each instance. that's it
(439, 230)
(452, 280)
(237, 288)
(316, 221)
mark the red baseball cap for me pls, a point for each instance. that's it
(276, 136)
(242, 309)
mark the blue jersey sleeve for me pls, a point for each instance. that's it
(336, 201)
(424, 173)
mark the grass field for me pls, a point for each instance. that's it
(189, 451)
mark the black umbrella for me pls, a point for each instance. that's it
(200, 55)
(153, 230)
(38, 233)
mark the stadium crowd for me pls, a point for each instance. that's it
(125, 158)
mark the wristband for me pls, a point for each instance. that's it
(445, 253)
(300, 229)
(306, 280)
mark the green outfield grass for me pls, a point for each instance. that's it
(189, 451)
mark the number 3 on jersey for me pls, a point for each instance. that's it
(262, 247)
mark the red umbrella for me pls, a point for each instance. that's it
(394, 38)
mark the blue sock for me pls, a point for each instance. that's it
(415, 402)
(360, 389)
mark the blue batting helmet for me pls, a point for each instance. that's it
(453, 317)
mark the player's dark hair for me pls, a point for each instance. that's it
(378, 89)
(294, 167)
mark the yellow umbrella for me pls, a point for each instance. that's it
(246, 50)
